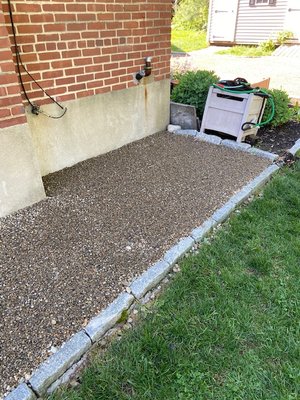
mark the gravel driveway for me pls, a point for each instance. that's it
(105, 220)
(283, 71)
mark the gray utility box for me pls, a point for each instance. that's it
(227, 112)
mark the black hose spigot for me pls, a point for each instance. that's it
(138, 76)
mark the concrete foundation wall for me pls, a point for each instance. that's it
(92, 126)
(98, 124)
(20, 179)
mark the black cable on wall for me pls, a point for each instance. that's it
(35, 109)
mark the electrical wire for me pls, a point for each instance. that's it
(35, 109)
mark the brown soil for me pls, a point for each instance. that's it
(278, 140)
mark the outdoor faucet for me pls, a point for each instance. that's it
(144, 72)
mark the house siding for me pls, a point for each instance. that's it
(259, 23)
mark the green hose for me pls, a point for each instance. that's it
(249, 91)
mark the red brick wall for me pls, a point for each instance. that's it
(77, 48)
(11, 108)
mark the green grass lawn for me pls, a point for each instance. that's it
(227, 328)
(185, 41)
(246, 51)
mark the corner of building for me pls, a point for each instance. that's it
(20, 179)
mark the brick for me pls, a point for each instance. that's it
(54, 7)
(55, 27)
(84, 93)
(7, 67)
(65, 81)
(76, 7)
(51, 46)
(53, 55)
(71, 54)
(76, 88)
(65, 17)
(5, 123)
(41, 18)
(18, 110)
(28, 8)
(110, 66)
(5, 112)
(50, 37)
(95, 84)
(111, 81)
(119, 86)
(74, 71)
(8, 101)
(102, 90)
(105, 16)
(29, 29)
(85, 78)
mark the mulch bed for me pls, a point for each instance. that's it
(280, 139)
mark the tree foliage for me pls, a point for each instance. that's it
(191, 14)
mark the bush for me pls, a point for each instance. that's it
(296, 113)
(269, 46)
(283, 113)
(283, 36)
(193, 88)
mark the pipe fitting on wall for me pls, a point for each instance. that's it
(138, 76)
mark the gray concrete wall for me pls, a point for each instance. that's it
(98, 124)
(20, 179)
(92, 126)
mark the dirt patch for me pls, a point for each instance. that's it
(278, 140)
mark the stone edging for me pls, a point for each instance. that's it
(293, 150)
(226, 142)
(58, 365)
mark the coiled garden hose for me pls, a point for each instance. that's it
(256, 91)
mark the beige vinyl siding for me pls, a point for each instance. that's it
(259, 23)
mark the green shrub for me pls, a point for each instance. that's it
(283, 36)
(193, 88)
(269, 46)
(283, 113)
(295, 110)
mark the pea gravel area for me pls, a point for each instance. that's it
(105, 220)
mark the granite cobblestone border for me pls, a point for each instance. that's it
(232, 144)
(58, 368)
(293, 150)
